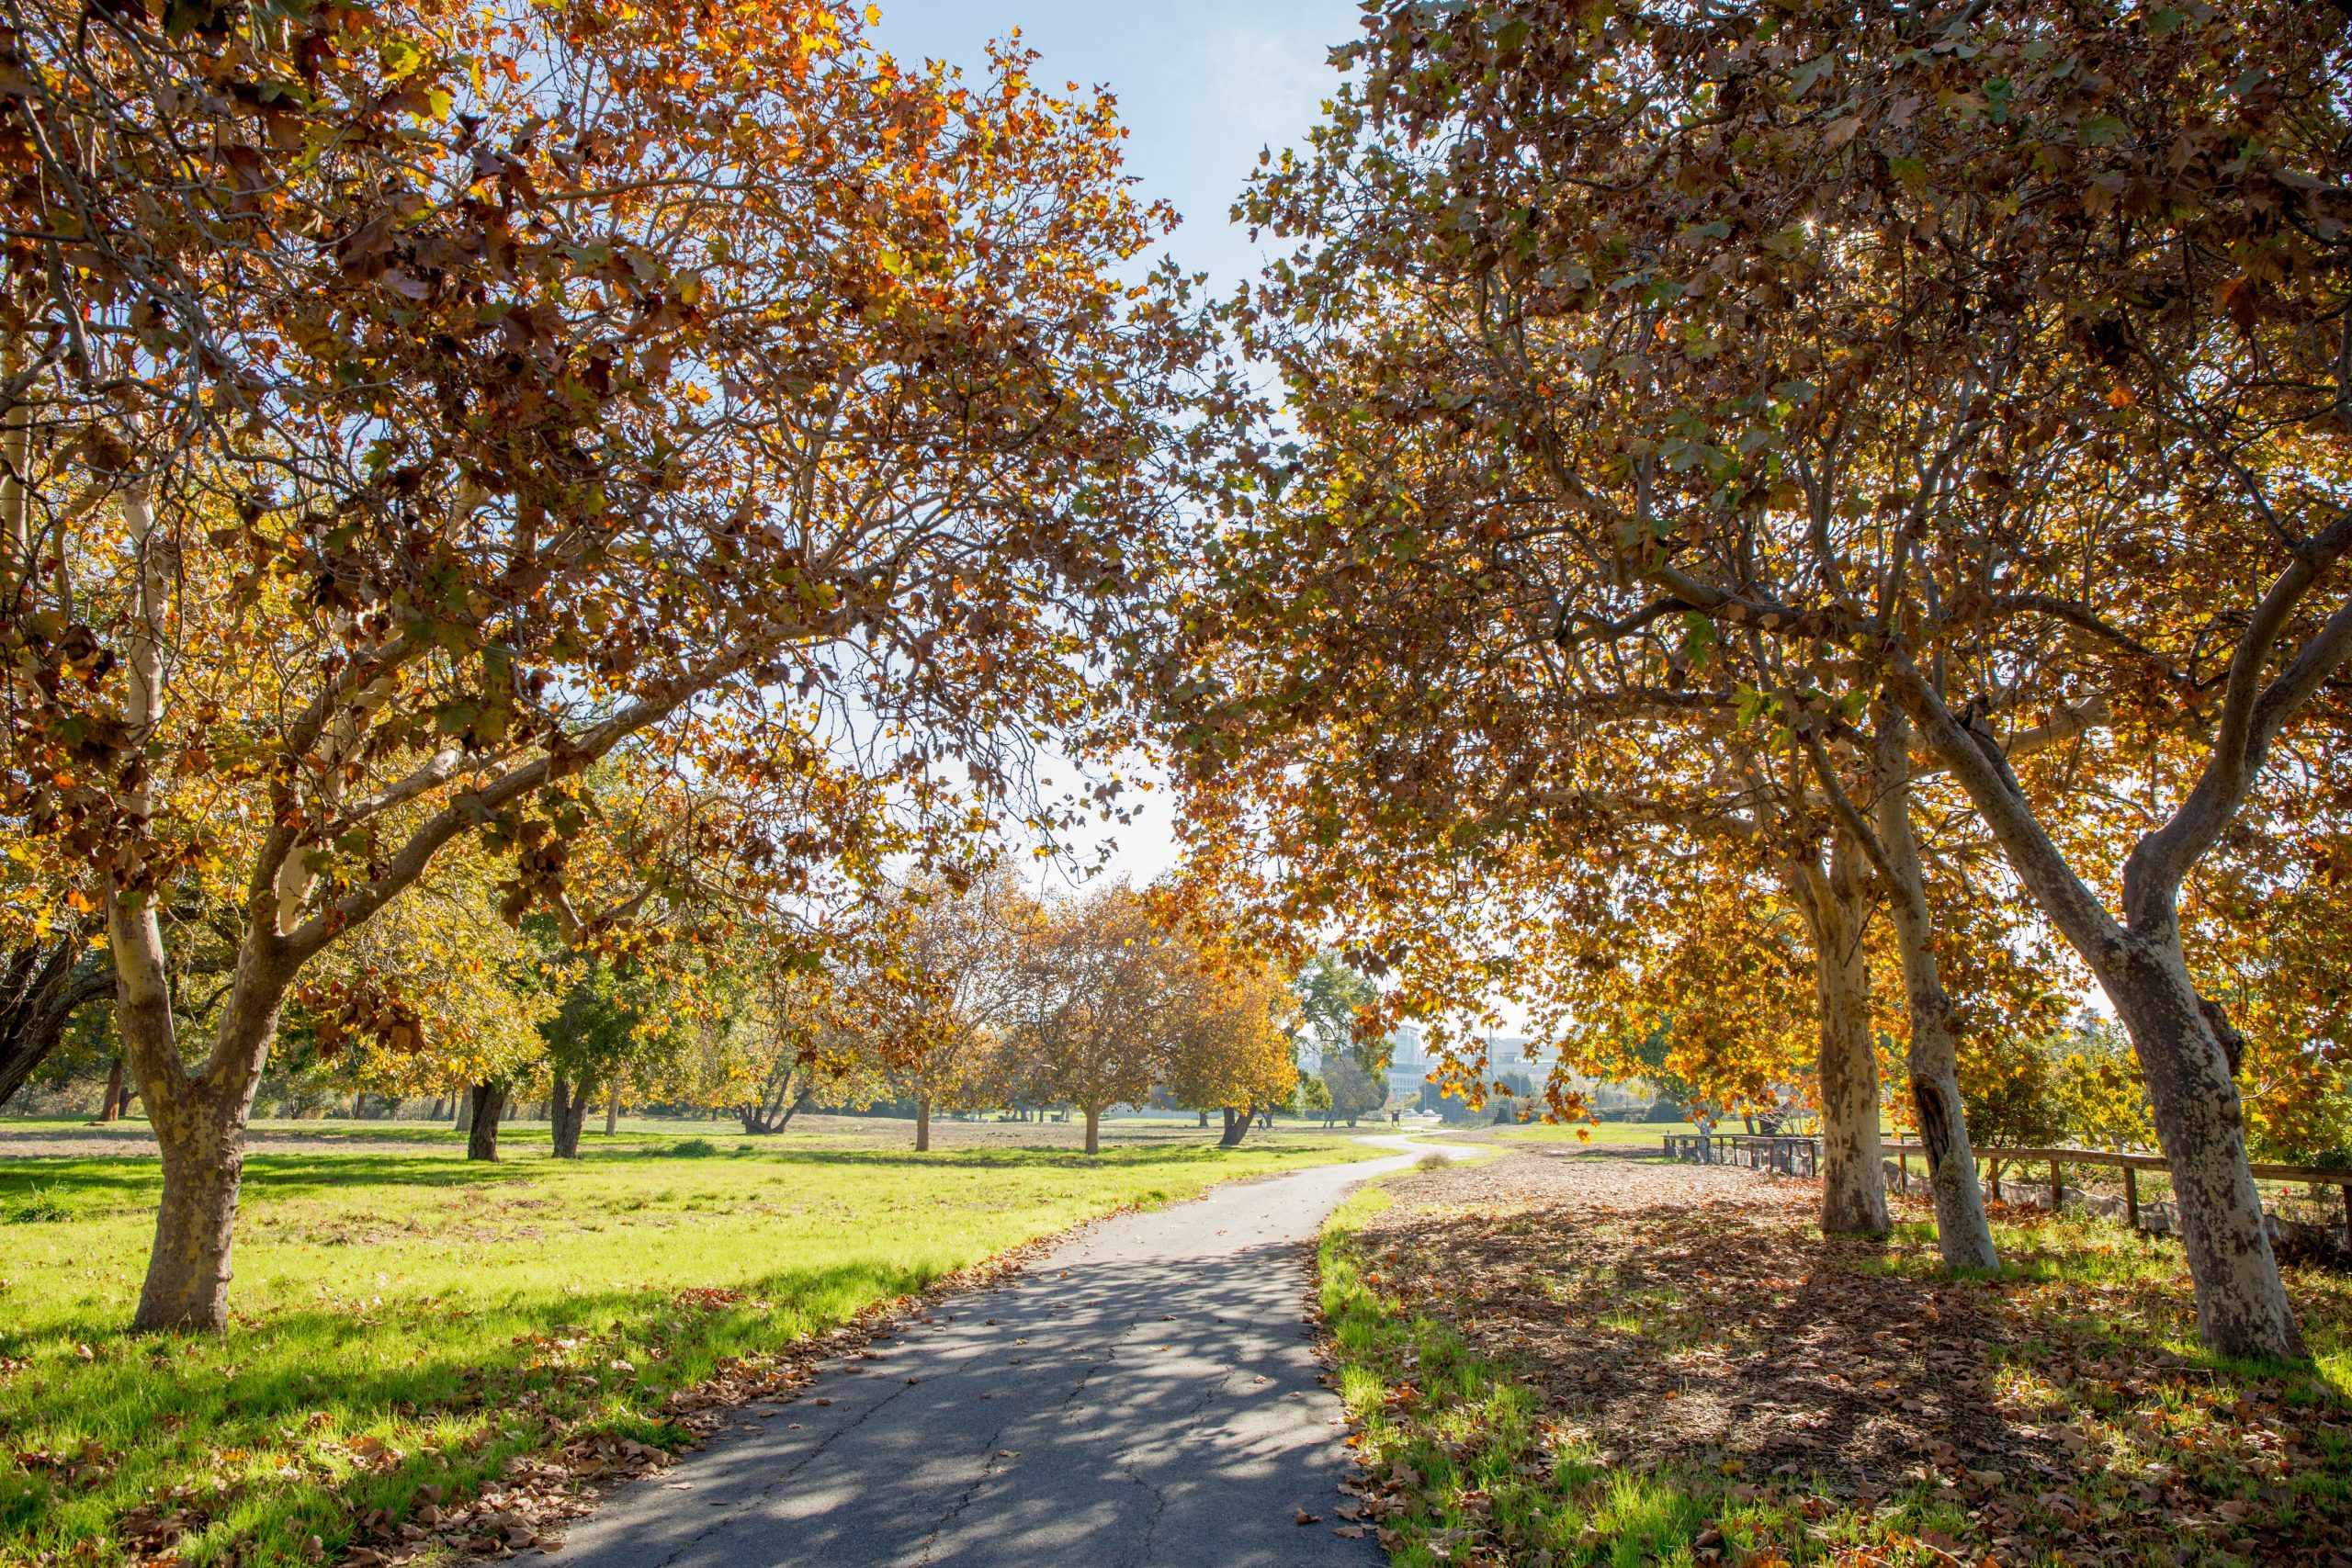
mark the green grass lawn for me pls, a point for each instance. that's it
(405, 1319)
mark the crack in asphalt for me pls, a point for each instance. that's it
(1159, 1498)
(964, 1499)
(744, 1505)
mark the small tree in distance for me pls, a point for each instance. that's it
(1091, 1021)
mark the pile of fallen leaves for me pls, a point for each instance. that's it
(1570, 1347)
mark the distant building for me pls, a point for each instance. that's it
(1407, 1067)
(1507, 1057)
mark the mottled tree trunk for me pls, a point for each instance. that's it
(188, 1271)
(2241, 1306)
(1094, 1129)
(923, 1125)
(1963, 1236)
(198, 1117)
(1836, 909)
(481, 1134)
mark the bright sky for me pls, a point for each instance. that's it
(1202, 85)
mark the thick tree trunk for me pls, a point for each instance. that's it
(922, 1126)
(481, 1134)
(1853, 1184)
(1963, 1233)
(1094, 1129)
(1236, 1127)
(2241, 1306)
(568, 1111)
(198, 1119)
(111, 1106)
(188, 1271)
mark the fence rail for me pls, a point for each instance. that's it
(1801, 1156)
(2338, 1177)
(1750, 1151)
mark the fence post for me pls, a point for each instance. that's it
(2131, 1196)
(2057, 1190)
(2348, 1216)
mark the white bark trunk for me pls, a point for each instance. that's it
(2241, 1306)
(1853, 1184)
(1963, 1233)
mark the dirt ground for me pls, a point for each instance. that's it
(1690, 1316)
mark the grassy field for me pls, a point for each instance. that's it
(406, 1321)
(1594, 1361)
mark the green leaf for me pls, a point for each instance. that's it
(398, 58)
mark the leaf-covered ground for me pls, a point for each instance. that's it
(1556, 1358)
(429, 1357)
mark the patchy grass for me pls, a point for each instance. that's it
(1553, 1361)
(410, 1328)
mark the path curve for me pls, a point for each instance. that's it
(1147, 1395)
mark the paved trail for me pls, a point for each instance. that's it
(1146, 1396)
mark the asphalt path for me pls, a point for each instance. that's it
(1145, 1396)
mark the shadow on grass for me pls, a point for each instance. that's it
(81, 1186)
(1757, 1388)
(253, 1421)
(1125, 1156)
(275, 1175)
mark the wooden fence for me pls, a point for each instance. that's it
(2338, 1177)
(1801, 1156)
(1750, 1151)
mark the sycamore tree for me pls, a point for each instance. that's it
(406, 406)
(780, 1042)
(937, 988)
(1091, 1022)
(1969, 373)
(1230, 1041)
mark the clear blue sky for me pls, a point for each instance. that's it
(1202, 85)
